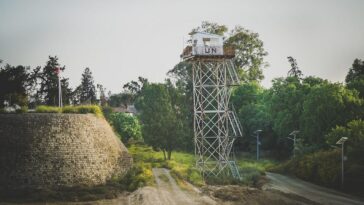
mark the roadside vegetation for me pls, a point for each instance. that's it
(182, 166)
(145, 158)
(323, 167)
(126, 126)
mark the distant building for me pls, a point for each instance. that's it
(130, 109)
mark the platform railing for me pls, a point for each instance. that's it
(208, 51)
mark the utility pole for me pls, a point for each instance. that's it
(342, 142)
(294, 133)
(58, 72)
(258, 142)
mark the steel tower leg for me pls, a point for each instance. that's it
(215, 125)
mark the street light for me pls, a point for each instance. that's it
(258, 141)
(294, 133)
(342, 142)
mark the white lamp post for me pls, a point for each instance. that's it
(258, 141)
(294, 133)
(342, 142)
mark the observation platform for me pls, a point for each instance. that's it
(207, 53)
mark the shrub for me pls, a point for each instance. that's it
(138, 176)
(250, 176)
(107, 111)
(48, 109)
(322, 167)
(69, 109)
(84, 109)
(23, 109)
(127, 126)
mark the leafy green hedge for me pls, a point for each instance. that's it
(82, 109)
(127, 126)
(322, 167)
(48, 109)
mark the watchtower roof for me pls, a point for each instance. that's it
(205, 33)
(207, 45)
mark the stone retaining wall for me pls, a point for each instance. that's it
(41, 150)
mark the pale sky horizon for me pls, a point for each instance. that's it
(121, 40)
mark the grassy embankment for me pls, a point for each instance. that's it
(80, 109)
(182, 169)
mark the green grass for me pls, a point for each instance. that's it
(182, 166)
(83, 109)
(80, 109)
(252, 170)
(48, 109)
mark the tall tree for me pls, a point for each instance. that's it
(135, 87)
(127, 99)
(294, 71)
(285, 105)
(355, 77)
(160, 124)
(115, 100)
(48, 85)
(248, 100)
(87, 88)
(102, 91)
(326, 106)
(211, 27)
(249, 53)
(14, 84)
(182, 109)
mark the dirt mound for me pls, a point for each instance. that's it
(240, 195)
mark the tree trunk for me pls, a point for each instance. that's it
(164, 154)
(169, 154)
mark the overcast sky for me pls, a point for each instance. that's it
(121, 40)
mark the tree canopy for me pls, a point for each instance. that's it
(161, 126)
(87, 88)
(355, 77)
(127, 126)
(14, 84)
(48, 83)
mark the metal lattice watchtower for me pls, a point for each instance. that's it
(216, 125)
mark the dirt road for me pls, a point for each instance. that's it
(281, 190)
(167, 192)
(313, 192)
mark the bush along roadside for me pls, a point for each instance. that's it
(322, 167)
